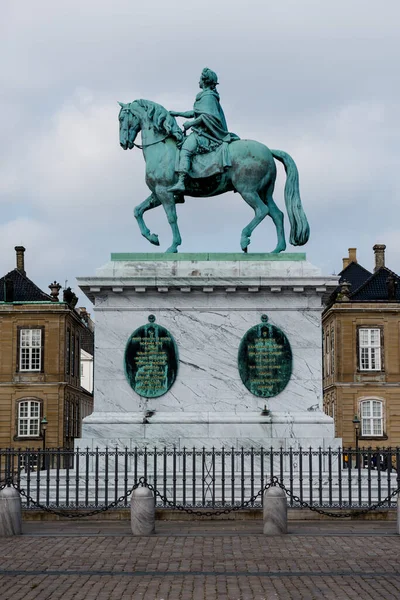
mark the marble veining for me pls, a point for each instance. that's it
(208, 401)
(275, 511)
(142, 511)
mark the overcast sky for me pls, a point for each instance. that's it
(316, 78)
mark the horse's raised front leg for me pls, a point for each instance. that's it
(260, 212)
(168, 202)
(151, 202)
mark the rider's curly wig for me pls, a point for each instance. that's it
(210, 77)
(161, 118)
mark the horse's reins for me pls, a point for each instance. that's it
(142, 146)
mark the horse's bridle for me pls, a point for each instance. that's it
(152, 143)
(141, 146)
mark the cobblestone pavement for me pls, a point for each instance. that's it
(201, 561)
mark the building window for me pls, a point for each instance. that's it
(371, 418)
(77, 357)
(328, 353)
(73, 357)
(68, 351)
(332, 351)
(28, 418)
(370, 349)
(30, 349)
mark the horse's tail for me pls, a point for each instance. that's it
(299, 227)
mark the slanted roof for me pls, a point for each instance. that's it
(355, 274)
(24, 289)
(375, 288)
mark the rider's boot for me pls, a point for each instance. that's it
(185, 160)
(180, 184)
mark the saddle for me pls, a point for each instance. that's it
(209, 163)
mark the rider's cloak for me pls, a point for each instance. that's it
(213, 125)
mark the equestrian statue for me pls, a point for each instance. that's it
(208, 162)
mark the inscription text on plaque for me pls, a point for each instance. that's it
(151, 360)
(265, 360)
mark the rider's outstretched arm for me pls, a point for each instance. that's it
(186, 115)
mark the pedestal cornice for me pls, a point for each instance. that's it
(207, 273)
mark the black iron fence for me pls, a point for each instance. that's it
(203, 478)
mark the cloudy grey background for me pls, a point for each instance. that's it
(316, 78)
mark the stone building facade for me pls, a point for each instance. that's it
(361, 353)
(41, 339)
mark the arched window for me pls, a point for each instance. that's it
(28, 418)
(371, 417)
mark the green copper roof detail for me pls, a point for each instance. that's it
(207, 256)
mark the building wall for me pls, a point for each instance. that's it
(345, 385)
(56, 386)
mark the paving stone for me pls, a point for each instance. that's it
(199, 561)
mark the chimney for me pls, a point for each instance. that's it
(379, 250)
(351, 258)
(353, 255)
(20, 251)
(84, 313)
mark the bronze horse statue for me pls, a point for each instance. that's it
(252, 174)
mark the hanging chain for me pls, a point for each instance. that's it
(213, 513)
(76, 515)
(336, 515)
(8, 482)
(142, 482)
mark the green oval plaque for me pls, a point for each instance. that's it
(151, 360)
(265, 360)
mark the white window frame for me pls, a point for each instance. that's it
(30, 349)
(371, 414)
(29, 413)
(370, 350)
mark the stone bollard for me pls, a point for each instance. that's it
(275, 511)
(10, 512)
(398, 514)
(143, 511)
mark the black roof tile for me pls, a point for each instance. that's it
(355, 274)
(375, 289)
(24, 289)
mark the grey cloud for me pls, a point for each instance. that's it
(313, 78)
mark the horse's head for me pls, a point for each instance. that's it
(129, 126)
(153, 118)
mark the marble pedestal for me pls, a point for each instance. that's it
(207, 302)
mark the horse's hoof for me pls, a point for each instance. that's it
(153, 239)
(171, 250)
(279, 248)
(244, 243)
(245, 250)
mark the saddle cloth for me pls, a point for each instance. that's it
(209, 163)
